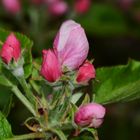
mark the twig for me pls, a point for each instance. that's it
(95, 134)
(28, 136)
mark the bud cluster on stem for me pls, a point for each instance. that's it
(65, 67)
(11, 49)
(69, 53)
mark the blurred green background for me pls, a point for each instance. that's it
(113, 31)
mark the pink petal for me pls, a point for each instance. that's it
(71, 44)
(85, 73)
(12, 6)
(91, 114)
(11, 49)
(50, 69)
(58, 8)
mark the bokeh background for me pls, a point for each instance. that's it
(113, 31)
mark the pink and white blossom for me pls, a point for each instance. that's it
(71, 45)
(90, 115)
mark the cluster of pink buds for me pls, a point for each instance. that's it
(70, 51)
(10, 49)
(55, 7)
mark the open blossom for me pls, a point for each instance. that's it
(71, 45)
(82, 6)
(57, 7)
(90, 115)
(12, 6)
(10, 49)
(51, 69)
(85, 73)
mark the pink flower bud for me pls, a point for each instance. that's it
(58, 7)
(51, 69)
(71, 44)
(10, 49)
(85, 73)
(82, 6)
(12, 6)
(90, 115)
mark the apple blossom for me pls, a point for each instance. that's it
(71, 45)
(90, 115)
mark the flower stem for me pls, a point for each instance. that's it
(95, 134)
(23, 99)
(28, 136)
(27, 90)
(59, 133)
(1, 43)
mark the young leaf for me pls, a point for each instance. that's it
(119, 83)
(5, 128)
(4, 81)
(8, 106)
(75, 97)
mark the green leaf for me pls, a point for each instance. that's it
(8, 106)
(102, 20)
(26, 45)
(4, 81)
(119, 83)
(86, 100)
(75, 97)
(5, 128)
